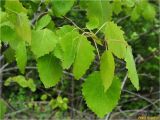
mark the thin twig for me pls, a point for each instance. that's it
(16, 112)
(100, 28)
(144, 98)
(1, 57)
(124, 81)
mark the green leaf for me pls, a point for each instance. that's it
(84, 57)
(43, 22)
(7, 34)
(9, 55)
(15, 6)
(60, 7)
(117, 6)
(61, 33)
(22, 27)
(31, 85)
(58, 52)
(21, 56)
(3, 17)
(130, 65)
(107, 67)
(68, 39)
(97, 100)
(49, 70)
(98, 12)
(3, 108)
(20, 80)
(21, 24)
(129, 3)
(136, 12)
(145, 9)
(69, 45)
(115, 40)
(149, 12)
(44, 97)
(43, 42)
(51, 26)
(17, 14)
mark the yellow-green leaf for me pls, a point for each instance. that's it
(21, 56)
(107, 67)
(20, 80)
(130, 65)
(115, 40)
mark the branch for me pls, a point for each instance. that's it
(142, 97)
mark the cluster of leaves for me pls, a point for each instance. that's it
(69, 48)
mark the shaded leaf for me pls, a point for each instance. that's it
(149, 12)
(21, 25)
(3, 108)
(98, 12)
(9, 55)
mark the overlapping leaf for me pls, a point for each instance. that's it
(66, 49)
(17, 14)
(145, 9)
(107, 67)
(43, 42)
(8, 35)
(60, 7)
(84, 57)
(98, 12)
(115, 40)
